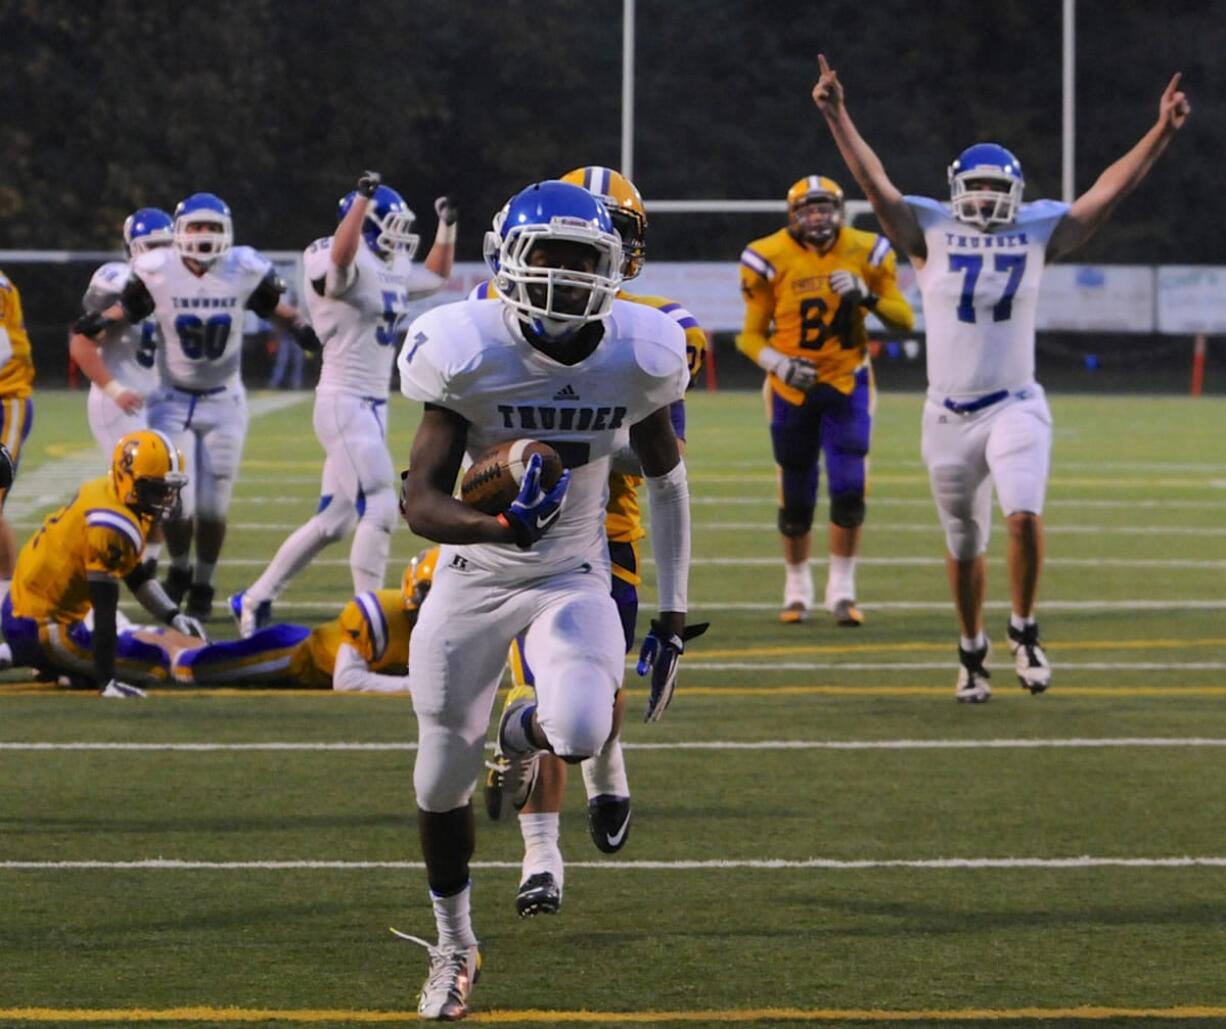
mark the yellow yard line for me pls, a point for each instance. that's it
(704, 653)
(65, 1016)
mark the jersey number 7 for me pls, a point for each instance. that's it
(972, 265)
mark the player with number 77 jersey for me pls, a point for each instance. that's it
(979, 261)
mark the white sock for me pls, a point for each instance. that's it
(204, 573)
(5, 586)
(153, 551)
(798, 584)
(1018, 622)
(541, 851)
(454, 919)
(978, 643)
(6, 656)
(368, 556)
(840, 580)
(604, 774)
(181, 562)
(291, 557)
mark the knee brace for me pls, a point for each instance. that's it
(847, 510)
(795, 520)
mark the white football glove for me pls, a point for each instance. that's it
(189, 626)
(849, 286)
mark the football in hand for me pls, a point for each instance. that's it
(493, 480)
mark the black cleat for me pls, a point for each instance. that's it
(1033, 670)
(176, 584)
(972, 686)
(608, 820)
(538, 895)
(200, 601)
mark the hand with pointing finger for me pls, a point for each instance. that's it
(828, 93)
(1173, 108)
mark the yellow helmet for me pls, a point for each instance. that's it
(147, 472)
(818, 226)
(625, 207)
(417, 579)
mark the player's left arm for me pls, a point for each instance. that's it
(442, 252)
(145, 587)
(1095, 205)
(668, 497)
(352, 674)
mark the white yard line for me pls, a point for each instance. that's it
(1073, 743)
(763, 864)
(768, 665)
(934, 528)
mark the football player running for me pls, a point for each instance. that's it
(72, 567)
(197, 290)
(986, 423)
(813, 282)
(563, 361)
(16, 406)
(359, 282)
(604, 774)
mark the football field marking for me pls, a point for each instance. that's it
(720, 864)
(71, 1016)
(1072, 743)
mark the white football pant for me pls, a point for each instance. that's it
(574, 644)
(1007, 445)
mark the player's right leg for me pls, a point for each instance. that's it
(170, 411)
(953, 448)
(460, 644)
(796, 440)
(846, 428)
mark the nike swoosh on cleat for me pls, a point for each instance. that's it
(615, 839)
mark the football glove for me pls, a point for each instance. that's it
(116, 690)
(447, 210)
(661, 657)
(189, 626)
(90, 324)
(851, 288)
(302, 334)
(368, 183)
(534, 512)
(798, 373)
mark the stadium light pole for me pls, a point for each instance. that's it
(627, 165)
(1070, 62)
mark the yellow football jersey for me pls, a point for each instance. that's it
(375, 624)
(93, 536)
(17, 375)
(788, 285)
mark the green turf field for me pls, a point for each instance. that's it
(821, 834)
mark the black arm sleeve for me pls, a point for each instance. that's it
(265, 297)
(104, 596)
(137, 303)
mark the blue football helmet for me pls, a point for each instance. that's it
(554, 301)
(145, 229)
(985, 185)
(387, 227)
(214, 233)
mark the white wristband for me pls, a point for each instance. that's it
(446, 233)
(114, 389)
(769, 359)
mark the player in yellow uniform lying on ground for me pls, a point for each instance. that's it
(72, 567)
(364, 650)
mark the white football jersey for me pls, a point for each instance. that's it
(471, 358)
(981, 292)
(356, 327)
(129, 356)
(201, 317)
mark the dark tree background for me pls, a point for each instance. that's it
(277, 105)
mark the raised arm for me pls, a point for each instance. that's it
(897, 219)
(1095, 205)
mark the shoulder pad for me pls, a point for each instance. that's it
(248, 260)
(151, 261)
(929, 211)
(323, 243)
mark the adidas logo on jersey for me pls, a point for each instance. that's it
(567, 392)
